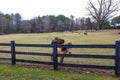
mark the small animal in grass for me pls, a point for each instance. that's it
(118, 32)
(85, 33)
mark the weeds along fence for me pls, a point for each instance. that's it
(55, 55)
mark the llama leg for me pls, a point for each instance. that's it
(61, 60)
(51, 58)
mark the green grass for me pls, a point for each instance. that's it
(22, 73)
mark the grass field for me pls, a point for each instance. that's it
(99, 37)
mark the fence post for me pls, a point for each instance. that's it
(55, 55)
(117, 58)
(13, 56)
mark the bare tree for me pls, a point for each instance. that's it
(102, 10)
(3, 24)
(25, 26)
(88, 24)
(46, 23)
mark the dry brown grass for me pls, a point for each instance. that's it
(99, 37)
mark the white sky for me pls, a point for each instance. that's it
(31, 8)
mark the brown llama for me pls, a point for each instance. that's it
(62, 50)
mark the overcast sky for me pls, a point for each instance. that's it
(31, 8)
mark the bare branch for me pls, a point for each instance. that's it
(104, 10)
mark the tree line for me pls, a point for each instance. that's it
(13, 23)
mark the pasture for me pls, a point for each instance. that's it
(100, 37)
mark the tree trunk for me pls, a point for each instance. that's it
(100, 26)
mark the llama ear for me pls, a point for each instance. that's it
(56, 38)
(69, 43)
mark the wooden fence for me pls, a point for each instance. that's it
(55, 55)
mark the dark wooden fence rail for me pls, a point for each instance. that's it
(55, 55)
(5, 51)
